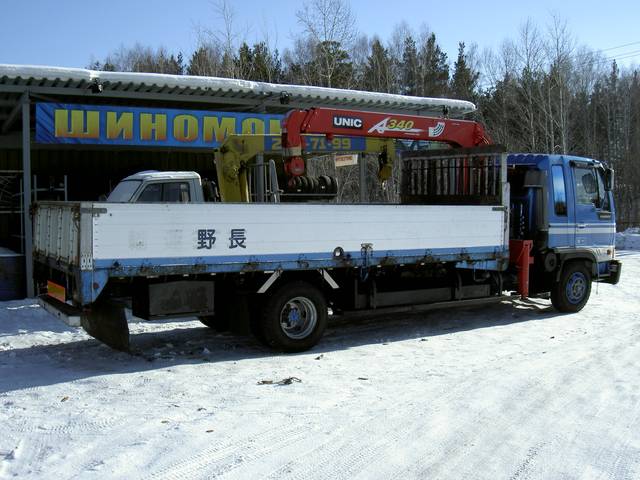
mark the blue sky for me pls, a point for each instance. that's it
(72, 32)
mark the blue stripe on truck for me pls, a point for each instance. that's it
(93, 281)
(226, 263)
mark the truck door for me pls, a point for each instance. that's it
(562, 232)
(594, 218)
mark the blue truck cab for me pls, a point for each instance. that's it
(565, 205)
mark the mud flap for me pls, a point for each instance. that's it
(107, 322)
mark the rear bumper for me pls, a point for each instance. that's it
(68, 314)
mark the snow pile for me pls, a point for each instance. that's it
(629, 239)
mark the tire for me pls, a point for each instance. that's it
(219, 324)
(295, 185)
(571, 292)
(324, 184)
(334, 185)
(294, 317)
(314, 185)
(304, 184)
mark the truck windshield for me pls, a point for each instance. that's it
(124, 191)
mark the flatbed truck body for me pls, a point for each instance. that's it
(105, 240)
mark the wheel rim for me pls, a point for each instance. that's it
(298, 318)
(576, 287)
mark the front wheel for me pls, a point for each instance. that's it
(294, 317)
(571, 292)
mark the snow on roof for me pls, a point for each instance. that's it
(158, 175)
(34, 76)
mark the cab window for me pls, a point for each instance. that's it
(559, 191)
(176, 192)
(170, 192)
(124, 191)
(586, 186)
(151, 194)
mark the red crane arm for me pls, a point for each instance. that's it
(329, 121)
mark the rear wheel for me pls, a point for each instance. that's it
(571, 292)
(294, 317)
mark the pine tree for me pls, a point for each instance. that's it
(465, 79)
(180, 63)
(434, 69)
(267, 66)
(205, 61)
(378, 74)
(244, 62)
(410, 67)
(173, 65)
(331, 65)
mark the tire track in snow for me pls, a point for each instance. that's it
(219, 459)
(451, 442)
(524, 407)
(71, 427)
(524, 469)
(28, 454)
(336, 456)
(622, 453)
(487, 430)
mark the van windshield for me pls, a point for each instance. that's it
(124, 191)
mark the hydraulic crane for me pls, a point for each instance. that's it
(330, 122)
(300, 131)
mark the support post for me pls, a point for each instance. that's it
(26, 192)
(260, 171)
(362, 166)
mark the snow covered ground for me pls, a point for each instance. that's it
(505, 391)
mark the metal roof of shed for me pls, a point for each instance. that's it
(71, 83)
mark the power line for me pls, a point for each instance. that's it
(619, 46)
(620, 56)
(592, 61)
(577, 56)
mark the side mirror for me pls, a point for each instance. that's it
(608, 179)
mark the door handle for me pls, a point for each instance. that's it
(582, 225)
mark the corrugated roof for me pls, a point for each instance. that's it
(58, 81)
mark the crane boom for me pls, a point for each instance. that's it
(330, 121)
